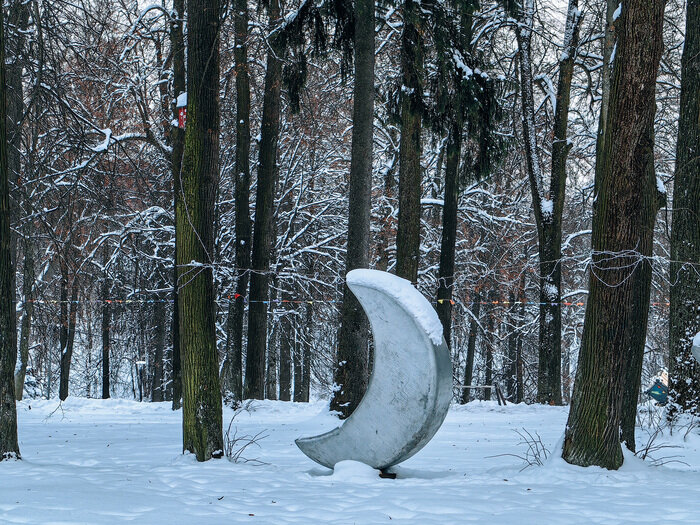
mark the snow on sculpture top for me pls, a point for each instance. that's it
(404, 293)
(410, 389)
(696, 346)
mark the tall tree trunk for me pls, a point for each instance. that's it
(272, 347)
(548, 202)
(408, 234)
(159, 348)
(449, 231)
(264, 208)
(286, 338)
(306, 373)
(626, 205)
(232, 376)
(351, 374)
(201, 395)
(471, 346)
(298, 361)
(512, 349)
(106, 324)
(68, 318)
(177, 137)
(9, 447)
(684, 376)
(27, 292)
(488, 350)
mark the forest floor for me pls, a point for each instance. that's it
(94, 461)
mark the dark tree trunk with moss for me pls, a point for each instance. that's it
(684, 373)
(351, 374)
(264, 208)
(9, 447)
(201, 396)
(408, 234)
(232, 373)
(177, 139)
(625, 207)
(449, 231)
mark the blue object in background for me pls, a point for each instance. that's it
(658, 391)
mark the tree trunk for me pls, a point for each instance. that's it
(106, 323)
(306, 373)
(488, 347)
(684, 373)
(548, 202)
(232, 376)
(351, 374)
(449, 232)
(264, 207)
(159, 347)
(202, 413)
(68, 317)
(298, 361)
(621, 240)
(286, 338)
(471, 347)
(408, 234)
(272, 347)
(27, 292)
(177, 137)
(9, 447)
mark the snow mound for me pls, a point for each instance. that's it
(404, 292)
(354, 471)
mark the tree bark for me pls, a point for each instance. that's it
(408, 234)
(306, 372)
(264, 207)
(548, 202)
(684, 373)
(157, 393)
(68, 318)
(471, 347)
(352, 372)
(177, 137)
(621, 240)
(449, 231)
(106, 324)
(27, 292)
(202, 412)
(9, 447)
(232, 376)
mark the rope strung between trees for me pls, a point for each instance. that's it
(310, 301)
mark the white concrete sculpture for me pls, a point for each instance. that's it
(410, 389)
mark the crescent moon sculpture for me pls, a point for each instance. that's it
(410, 388)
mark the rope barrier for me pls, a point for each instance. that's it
(310, 301)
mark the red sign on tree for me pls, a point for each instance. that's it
(181, 110)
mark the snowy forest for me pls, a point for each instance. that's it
(184, 186)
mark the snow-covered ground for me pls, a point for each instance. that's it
(93, 461)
